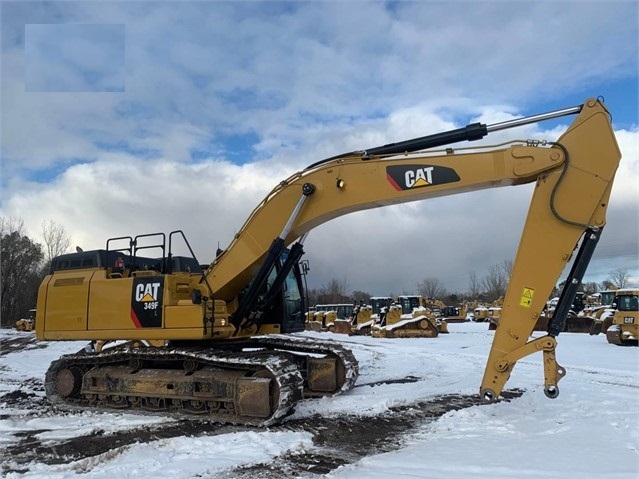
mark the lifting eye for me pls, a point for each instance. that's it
(340, 183)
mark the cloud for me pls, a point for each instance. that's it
(382, 250)
(74, 57)
(288, 84)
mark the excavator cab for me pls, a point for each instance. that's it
(290, 307)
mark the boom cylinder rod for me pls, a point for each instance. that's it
(473, 131)
(534, 118)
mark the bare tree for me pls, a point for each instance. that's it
(56, 240)
(507, 267)
(10, 225)
(474, 285)
(361, 296)
(590, 287)
(495, 282)
(311, 297)
(619, 277)
(431, 287)
(335, 291)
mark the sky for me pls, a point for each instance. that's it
(590, 431)
(127, 118)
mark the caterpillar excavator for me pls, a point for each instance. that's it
(169, 336)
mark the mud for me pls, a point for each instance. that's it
(20, 343)
(337, 440)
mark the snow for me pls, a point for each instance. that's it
(590, 431)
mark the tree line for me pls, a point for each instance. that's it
(488, 288)
(24, 262)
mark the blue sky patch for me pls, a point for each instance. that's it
(236, 148)
(46, 175)
(620, 96)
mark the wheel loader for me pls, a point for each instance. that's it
(225, 342)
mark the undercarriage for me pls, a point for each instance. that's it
(256, 382)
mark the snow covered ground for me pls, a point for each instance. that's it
(590, 431)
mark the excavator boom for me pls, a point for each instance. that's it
(573, 176)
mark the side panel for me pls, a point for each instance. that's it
(110, 303)
(65, 307)
(183, 316)
(126, 303)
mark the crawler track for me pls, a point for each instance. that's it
(256, 383)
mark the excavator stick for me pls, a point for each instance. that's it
(567, 202)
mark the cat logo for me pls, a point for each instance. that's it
(419, 177)
(408, 177)
(146, 302)
(147, 293)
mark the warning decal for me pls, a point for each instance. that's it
(526, 297)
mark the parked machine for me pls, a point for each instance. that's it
(480, 313)
(576, 320)
(624, 329)
(409, 318)
(377, 304)
(419, 307)
(455, 314)
(217, 342)
(27, 323)
(358, 323)
(602, 312)
(494, 312)
(337, 313)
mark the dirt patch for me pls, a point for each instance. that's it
(345, 440)
(26, 340)
(338, 440)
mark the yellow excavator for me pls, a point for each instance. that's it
(169, 336)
